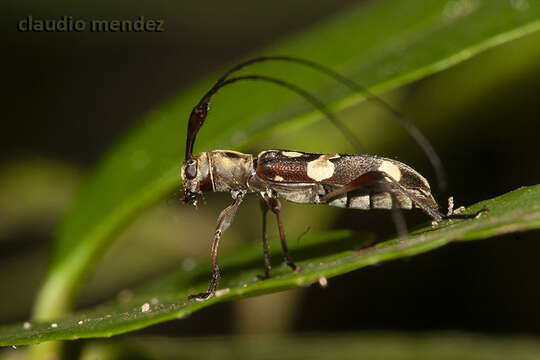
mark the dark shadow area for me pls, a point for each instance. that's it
(464, 286)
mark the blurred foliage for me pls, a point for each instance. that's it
(372, 345)
(34, 194)
(386, 346)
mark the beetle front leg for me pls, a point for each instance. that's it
(225, 220)
(274, 205)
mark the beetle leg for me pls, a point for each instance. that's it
(399, 219)
(274, 205)
(225, 220)
(457, 213)
(267, 265)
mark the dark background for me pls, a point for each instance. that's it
(67, 97)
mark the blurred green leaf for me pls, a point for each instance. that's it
(322, 255)
(371, 345)
(383, 45)
(35, 193)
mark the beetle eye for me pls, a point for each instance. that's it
(191, 170)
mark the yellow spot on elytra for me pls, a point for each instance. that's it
(278, 178)
(291, 154)
(390, 169)
(321, 168)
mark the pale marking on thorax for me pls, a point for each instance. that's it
(321, 168)
(390, 169)
(211, 170)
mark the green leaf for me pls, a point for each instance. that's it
(323, 255)
(383, 45)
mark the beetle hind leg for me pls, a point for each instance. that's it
(381, 182)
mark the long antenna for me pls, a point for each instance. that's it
(198, 115)
(201, 110)
(422, 141)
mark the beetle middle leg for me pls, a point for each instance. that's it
(267, 265)
(274, 205)
(225, 220)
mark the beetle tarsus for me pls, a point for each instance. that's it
(453, 214)
(475, 215)
(201, 296)
(211, 288)
(266, 275)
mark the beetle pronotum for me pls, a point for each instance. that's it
(342, 180)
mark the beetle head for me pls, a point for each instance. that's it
(196, 178)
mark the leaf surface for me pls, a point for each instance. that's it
(321, 255)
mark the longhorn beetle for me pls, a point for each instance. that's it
(342, 180)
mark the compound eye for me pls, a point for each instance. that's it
(191, 170)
